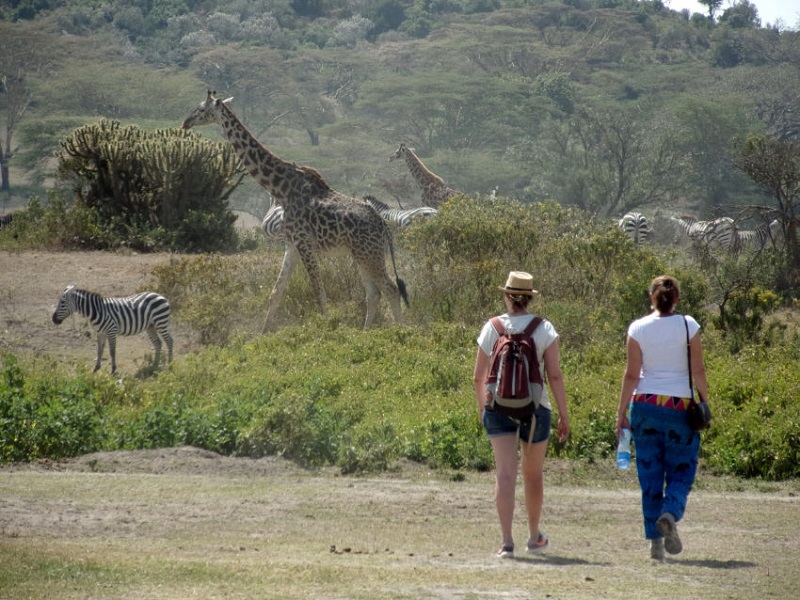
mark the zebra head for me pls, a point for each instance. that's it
(209, 111)
(65, 306)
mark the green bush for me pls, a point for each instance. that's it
(43, 417)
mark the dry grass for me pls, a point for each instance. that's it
(184, 523)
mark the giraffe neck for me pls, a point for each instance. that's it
(422, 175)
(273, 173)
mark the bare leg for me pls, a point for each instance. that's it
(533, 478)
(506, 464)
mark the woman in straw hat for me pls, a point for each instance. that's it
(507, 434)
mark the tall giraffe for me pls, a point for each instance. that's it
(316, 217)
(434, 190)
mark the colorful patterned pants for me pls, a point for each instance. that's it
(666, 461)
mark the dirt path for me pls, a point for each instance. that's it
(185, 523)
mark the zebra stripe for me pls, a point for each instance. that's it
(635, 226)
(724, 233)
(401, 217)
(111, 317)
(272, 225)
(761, 235)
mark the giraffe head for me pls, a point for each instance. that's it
(209, 111)
(399, 153)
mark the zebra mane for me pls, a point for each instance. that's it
(379, 206)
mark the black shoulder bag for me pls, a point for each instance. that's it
(698, 413)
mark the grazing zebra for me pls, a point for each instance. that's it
(721, 233)
(635, 226)
(272, 225)
(762, 234)
(147, 311)
(401, 217)
(6, 219)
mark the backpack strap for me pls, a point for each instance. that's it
(498, 325)
(532, 326)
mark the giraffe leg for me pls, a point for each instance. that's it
(373, 297)
(311, 263)
(290, 258)
(393, 296)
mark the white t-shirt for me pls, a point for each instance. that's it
(665, 361)
(544, 335)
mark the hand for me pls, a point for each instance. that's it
(563, 428)
(622, 423)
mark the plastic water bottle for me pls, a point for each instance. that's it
(624, 449)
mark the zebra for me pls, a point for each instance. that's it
(110, 317)
(721, 232)
(762, 234)
(401, 217)
(634, 225)
(272, 225)
(6, 219)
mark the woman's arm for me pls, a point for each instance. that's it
(479, 375)
(630, 380)
(555, 378)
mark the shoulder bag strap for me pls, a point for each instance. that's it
(689, 356)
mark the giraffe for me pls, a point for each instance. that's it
(316, 217)
(434, 190)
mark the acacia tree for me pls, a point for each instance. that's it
(24, 56)
(775, 165)
(608, 162)
(712, 5)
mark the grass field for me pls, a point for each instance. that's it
(185, 523)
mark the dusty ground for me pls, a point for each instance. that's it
(184, 523)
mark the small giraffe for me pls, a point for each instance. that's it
(316, 217)
(434, 190)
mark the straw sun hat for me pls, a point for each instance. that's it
(519, 283)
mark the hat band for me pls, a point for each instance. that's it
(513, 289)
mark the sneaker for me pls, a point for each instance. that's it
(539, 544)
(667, 527)
(505, 552)
(657, 549)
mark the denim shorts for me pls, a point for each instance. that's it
(497, 425)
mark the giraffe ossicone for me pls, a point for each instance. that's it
(316, 218)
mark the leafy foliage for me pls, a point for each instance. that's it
(151, 190)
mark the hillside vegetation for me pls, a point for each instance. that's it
(607, 106)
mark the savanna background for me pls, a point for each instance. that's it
(553, 119)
